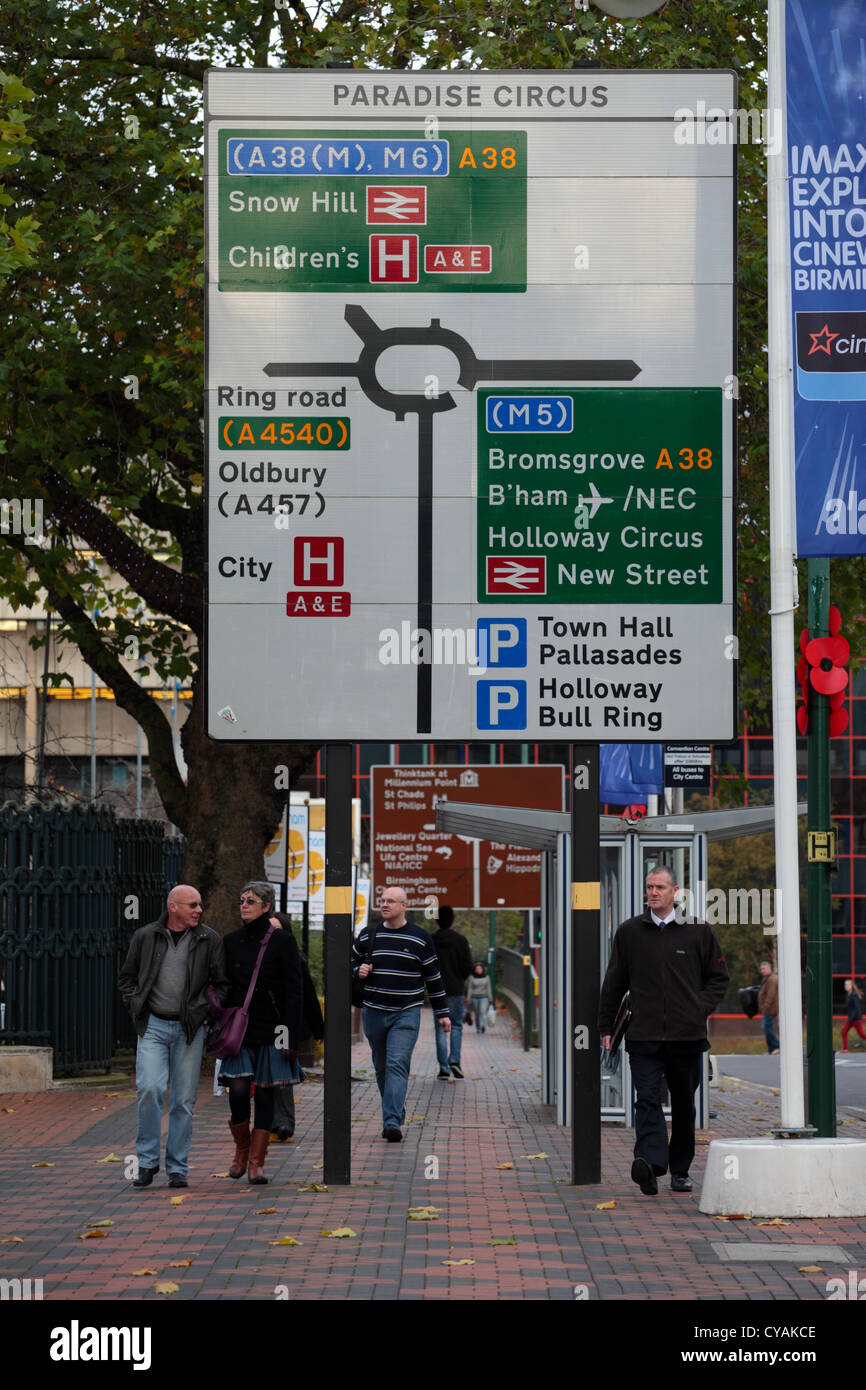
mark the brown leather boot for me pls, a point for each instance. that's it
(241, 1136)
(258, 1153)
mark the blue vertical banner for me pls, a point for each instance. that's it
(826, 106)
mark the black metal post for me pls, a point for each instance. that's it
(585, 965)
(305, 928)
(528, 1003)
(337, 961)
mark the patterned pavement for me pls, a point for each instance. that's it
(483, 1152)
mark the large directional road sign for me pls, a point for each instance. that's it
(470, 405)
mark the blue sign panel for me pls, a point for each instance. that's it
(302, 156)
(530, 414)
(827, 180)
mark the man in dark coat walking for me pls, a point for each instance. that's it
(675, 973)
(455, 964)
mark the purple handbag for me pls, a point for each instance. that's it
(226, 1034)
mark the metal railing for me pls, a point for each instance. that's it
(516, 979)
(74, 884)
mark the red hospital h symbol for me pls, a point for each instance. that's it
(318, 560)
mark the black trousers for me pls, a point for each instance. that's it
(680, 1066)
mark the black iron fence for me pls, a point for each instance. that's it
(75, 883)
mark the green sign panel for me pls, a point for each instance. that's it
(308, 212)
(600, 496)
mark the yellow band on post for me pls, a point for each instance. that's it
(585, 897)
(338, 901)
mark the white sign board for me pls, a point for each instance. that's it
(470, 405)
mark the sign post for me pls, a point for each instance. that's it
(470, 405)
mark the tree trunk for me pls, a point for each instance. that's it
(236, 795)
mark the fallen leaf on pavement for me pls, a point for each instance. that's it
(266, 1211)
(110, 1158)
(43, 1164)
(111, 1094)
(776, 1221)
(809, 1269)
(314, 1187)
(290, 1240)
(100, 1223)
(176, 1201)
(514, 1069)
(166, 1287)
(423, 1216)
(420, 1117)
(94, 1108)
(7, 1110)
(504, 1165)
(458, 1262)
(318, 1165)
(340, 1233)
(541, 1155)
(93, 1235)
(219, 1175)
(178, 1264)
(140, 1273)
(605, 1206)
(12, 1240)
(499, 1241)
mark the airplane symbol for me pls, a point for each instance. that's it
(593, 502)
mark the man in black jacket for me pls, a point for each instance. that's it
(676, 975)
(168, 967)
(455, 964)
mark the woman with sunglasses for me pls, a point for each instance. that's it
(269, 1056)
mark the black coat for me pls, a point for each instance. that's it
(677, 977)
(278, 995)
(455, 959)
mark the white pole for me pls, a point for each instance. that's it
(783, 583)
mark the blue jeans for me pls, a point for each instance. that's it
(478, 1006)
(392, 1038)
(768, 1023)
(448, 1044)
(164, 1056)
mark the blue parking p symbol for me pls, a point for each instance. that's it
(501, 705)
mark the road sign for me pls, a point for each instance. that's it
(409, 852)
(687, 764)
(470, 405)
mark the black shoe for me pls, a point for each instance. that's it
(457, 1071)
(177, 1180)
(392, 1134)
(444, 1075)
(284, 1135)
(681, 1182)
(642, 1173)
(145, 1176)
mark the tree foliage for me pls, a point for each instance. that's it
(102, 322)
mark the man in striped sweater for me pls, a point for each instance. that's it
(403, 960)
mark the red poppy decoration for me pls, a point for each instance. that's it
(822, 667)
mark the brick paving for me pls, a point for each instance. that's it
(459, 1135)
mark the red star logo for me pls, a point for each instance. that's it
(824, 346)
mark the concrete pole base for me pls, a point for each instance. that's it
(785, 1177)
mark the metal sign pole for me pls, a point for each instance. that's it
(338, 963)
(585, 964)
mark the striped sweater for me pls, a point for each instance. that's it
(404, 960)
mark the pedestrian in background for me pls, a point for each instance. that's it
(269, 1055)
(312, 1026)
(394, 975)
(455, 963)
(169, 965)
(854, 1007)
(479, 996)
(768, 1003)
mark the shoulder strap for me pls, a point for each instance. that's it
(255, 975)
